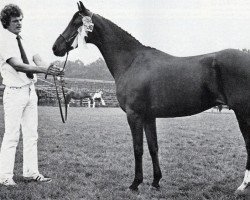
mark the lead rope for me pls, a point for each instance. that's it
(63, 92)
(63, 117)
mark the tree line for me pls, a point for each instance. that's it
(96, 70)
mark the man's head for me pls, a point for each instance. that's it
(11, 17)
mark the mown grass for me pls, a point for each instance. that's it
(91, 157)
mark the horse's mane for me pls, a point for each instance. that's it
(130, 40)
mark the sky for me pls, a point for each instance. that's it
(179, 27)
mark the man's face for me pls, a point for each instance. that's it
(15, 25)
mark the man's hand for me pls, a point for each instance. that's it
(54, 70)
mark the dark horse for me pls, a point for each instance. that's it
(79, 96)
(151, 84)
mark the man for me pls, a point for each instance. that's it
(19, 99)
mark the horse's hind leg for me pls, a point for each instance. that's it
(150, 131)
(244, 124)
(103, 102)
(136, 125)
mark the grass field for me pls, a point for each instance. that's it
(91, 157)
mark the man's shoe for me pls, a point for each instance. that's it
(39, 178)
(8, 182)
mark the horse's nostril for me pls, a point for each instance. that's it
(54, 47)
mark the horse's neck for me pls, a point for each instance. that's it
(117, 46)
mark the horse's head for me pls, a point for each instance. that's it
(64, 43)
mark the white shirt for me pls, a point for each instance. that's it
(2, 61)
(9, 48)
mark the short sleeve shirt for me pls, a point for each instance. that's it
(9, 48)
(2, 61)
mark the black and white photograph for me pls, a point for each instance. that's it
(140, 100)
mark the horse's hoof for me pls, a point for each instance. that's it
(155, 186)
(238, 192)
(244, 189)
(133, 188)
(245, 192)
(134, 191)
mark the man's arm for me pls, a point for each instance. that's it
(18, 65)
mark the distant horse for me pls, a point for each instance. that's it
(151, 84)
(78, 96)
(98, 97)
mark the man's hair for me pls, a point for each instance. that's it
(9, 11)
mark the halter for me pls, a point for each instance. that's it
(67, 42)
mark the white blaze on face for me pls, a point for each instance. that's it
(245, 182)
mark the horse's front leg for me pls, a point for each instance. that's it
(151, 135)
(245, 130)
(88, 103)
(136, 125)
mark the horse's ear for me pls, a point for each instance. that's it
(79, 8)
(82, 6)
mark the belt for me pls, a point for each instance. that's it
(25, 86)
